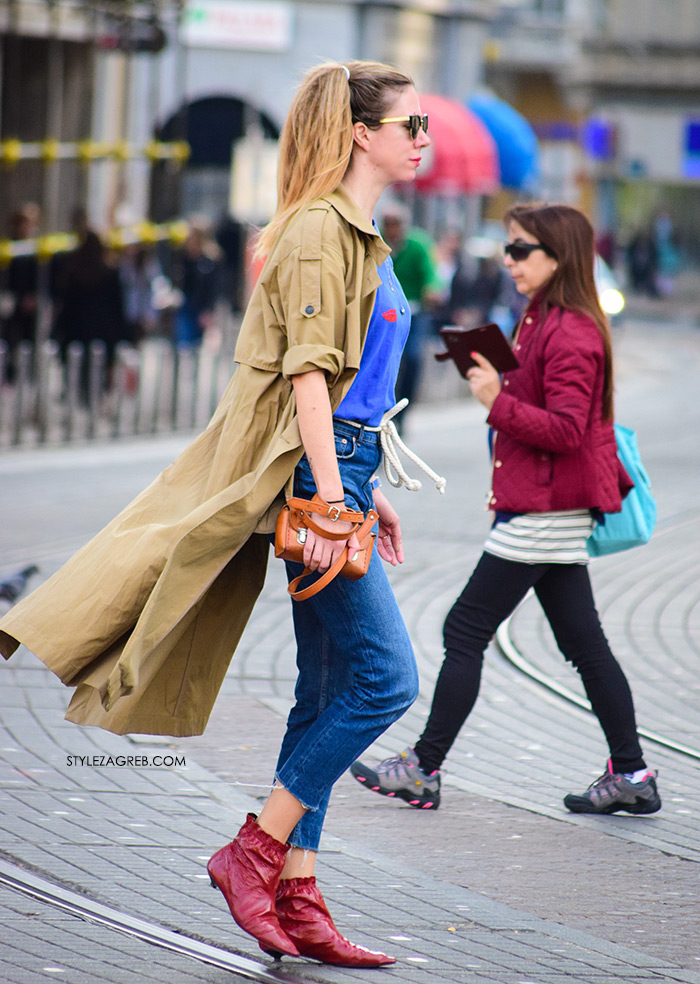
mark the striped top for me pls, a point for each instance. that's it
(542, 538)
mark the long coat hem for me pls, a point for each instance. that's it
(143, 621)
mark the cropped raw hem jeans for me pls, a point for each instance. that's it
(357, 671)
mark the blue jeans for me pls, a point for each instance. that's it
(357, 671)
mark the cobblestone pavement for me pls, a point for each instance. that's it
(499, 885)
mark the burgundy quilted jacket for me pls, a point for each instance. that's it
(553, 450)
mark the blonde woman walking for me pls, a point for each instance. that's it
(144, 619)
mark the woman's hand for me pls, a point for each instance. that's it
(389, 538)
(484, 380)
(319, 553)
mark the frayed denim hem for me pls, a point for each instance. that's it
(278, 784)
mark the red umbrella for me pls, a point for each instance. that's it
(463, 157)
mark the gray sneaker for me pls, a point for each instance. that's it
(401, 776)
(613, 792)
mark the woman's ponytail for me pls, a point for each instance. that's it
(317, 138)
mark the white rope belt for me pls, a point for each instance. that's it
(391, 443)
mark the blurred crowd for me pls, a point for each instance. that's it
(143, 291)
(94, 293)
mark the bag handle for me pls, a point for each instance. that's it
(368, 521)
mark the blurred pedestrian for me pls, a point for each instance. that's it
(643, 263)
(21, 284)
(89, 302)
(483, 296)
(555, 468)
(606, 247)
(145, 618)
(667, 252)
(139, 274)
(412, 253)
(196, 274)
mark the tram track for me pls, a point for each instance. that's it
(40, 889)
(512, 654)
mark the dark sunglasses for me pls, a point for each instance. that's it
(416, 123)
(519, 251)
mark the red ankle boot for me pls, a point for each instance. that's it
(307, 922)
(247, 871)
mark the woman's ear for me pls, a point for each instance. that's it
(361, 135)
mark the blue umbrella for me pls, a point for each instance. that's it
(518, 150)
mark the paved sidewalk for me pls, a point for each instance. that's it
(500, 885)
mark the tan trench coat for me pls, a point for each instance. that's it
(144, 619)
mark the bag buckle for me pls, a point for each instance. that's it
(334, 513)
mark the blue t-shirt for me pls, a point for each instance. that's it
(372, 390)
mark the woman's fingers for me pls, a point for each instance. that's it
(389, 545)
(320, 554)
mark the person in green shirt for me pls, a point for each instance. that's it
(413, 256)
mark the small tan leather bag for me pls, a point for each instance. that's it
(293, 522)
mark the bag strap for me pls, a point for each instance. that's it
(304, 507)
(301, 594)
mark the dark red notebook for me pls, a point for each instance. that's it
(487, 340)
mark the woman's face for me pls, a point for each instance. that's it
(393, 155)
(533, 272)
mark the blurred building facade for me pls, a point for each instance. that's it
(611, 88)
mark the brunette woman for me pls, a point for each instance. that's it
(555, 469)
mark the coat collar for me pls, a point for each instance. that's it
(342, 202)
(346, 206)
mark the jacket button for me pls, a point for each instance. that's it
(493, 500)
(497, 464)
(309, 309)
(518, 347)
(506, 382)
(528, 320)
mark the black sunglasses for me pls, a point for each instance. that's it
(416, 123)
(519, 251)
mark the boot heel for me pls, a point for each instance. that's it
(275, 954)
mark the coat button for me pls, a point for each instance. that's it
(493, 500)
(309, 309)
(497, 464)
(506, 382)
(518, 347)
(528, 320)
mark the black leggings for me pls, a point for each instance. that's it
(493, 592)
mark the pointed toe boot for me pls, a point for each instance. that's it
(247, 873)
(307, 922)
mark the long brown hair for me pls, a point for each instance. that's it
(568, 236)
(317, 138)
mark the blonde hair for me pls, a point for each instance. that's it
(317, 138)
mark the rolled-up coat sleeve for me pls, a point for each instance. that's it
(312, 295)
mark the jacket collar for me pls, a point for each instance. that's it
(343, 203)
(346, 206)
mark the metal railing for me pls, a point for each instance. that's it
(50, 397)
